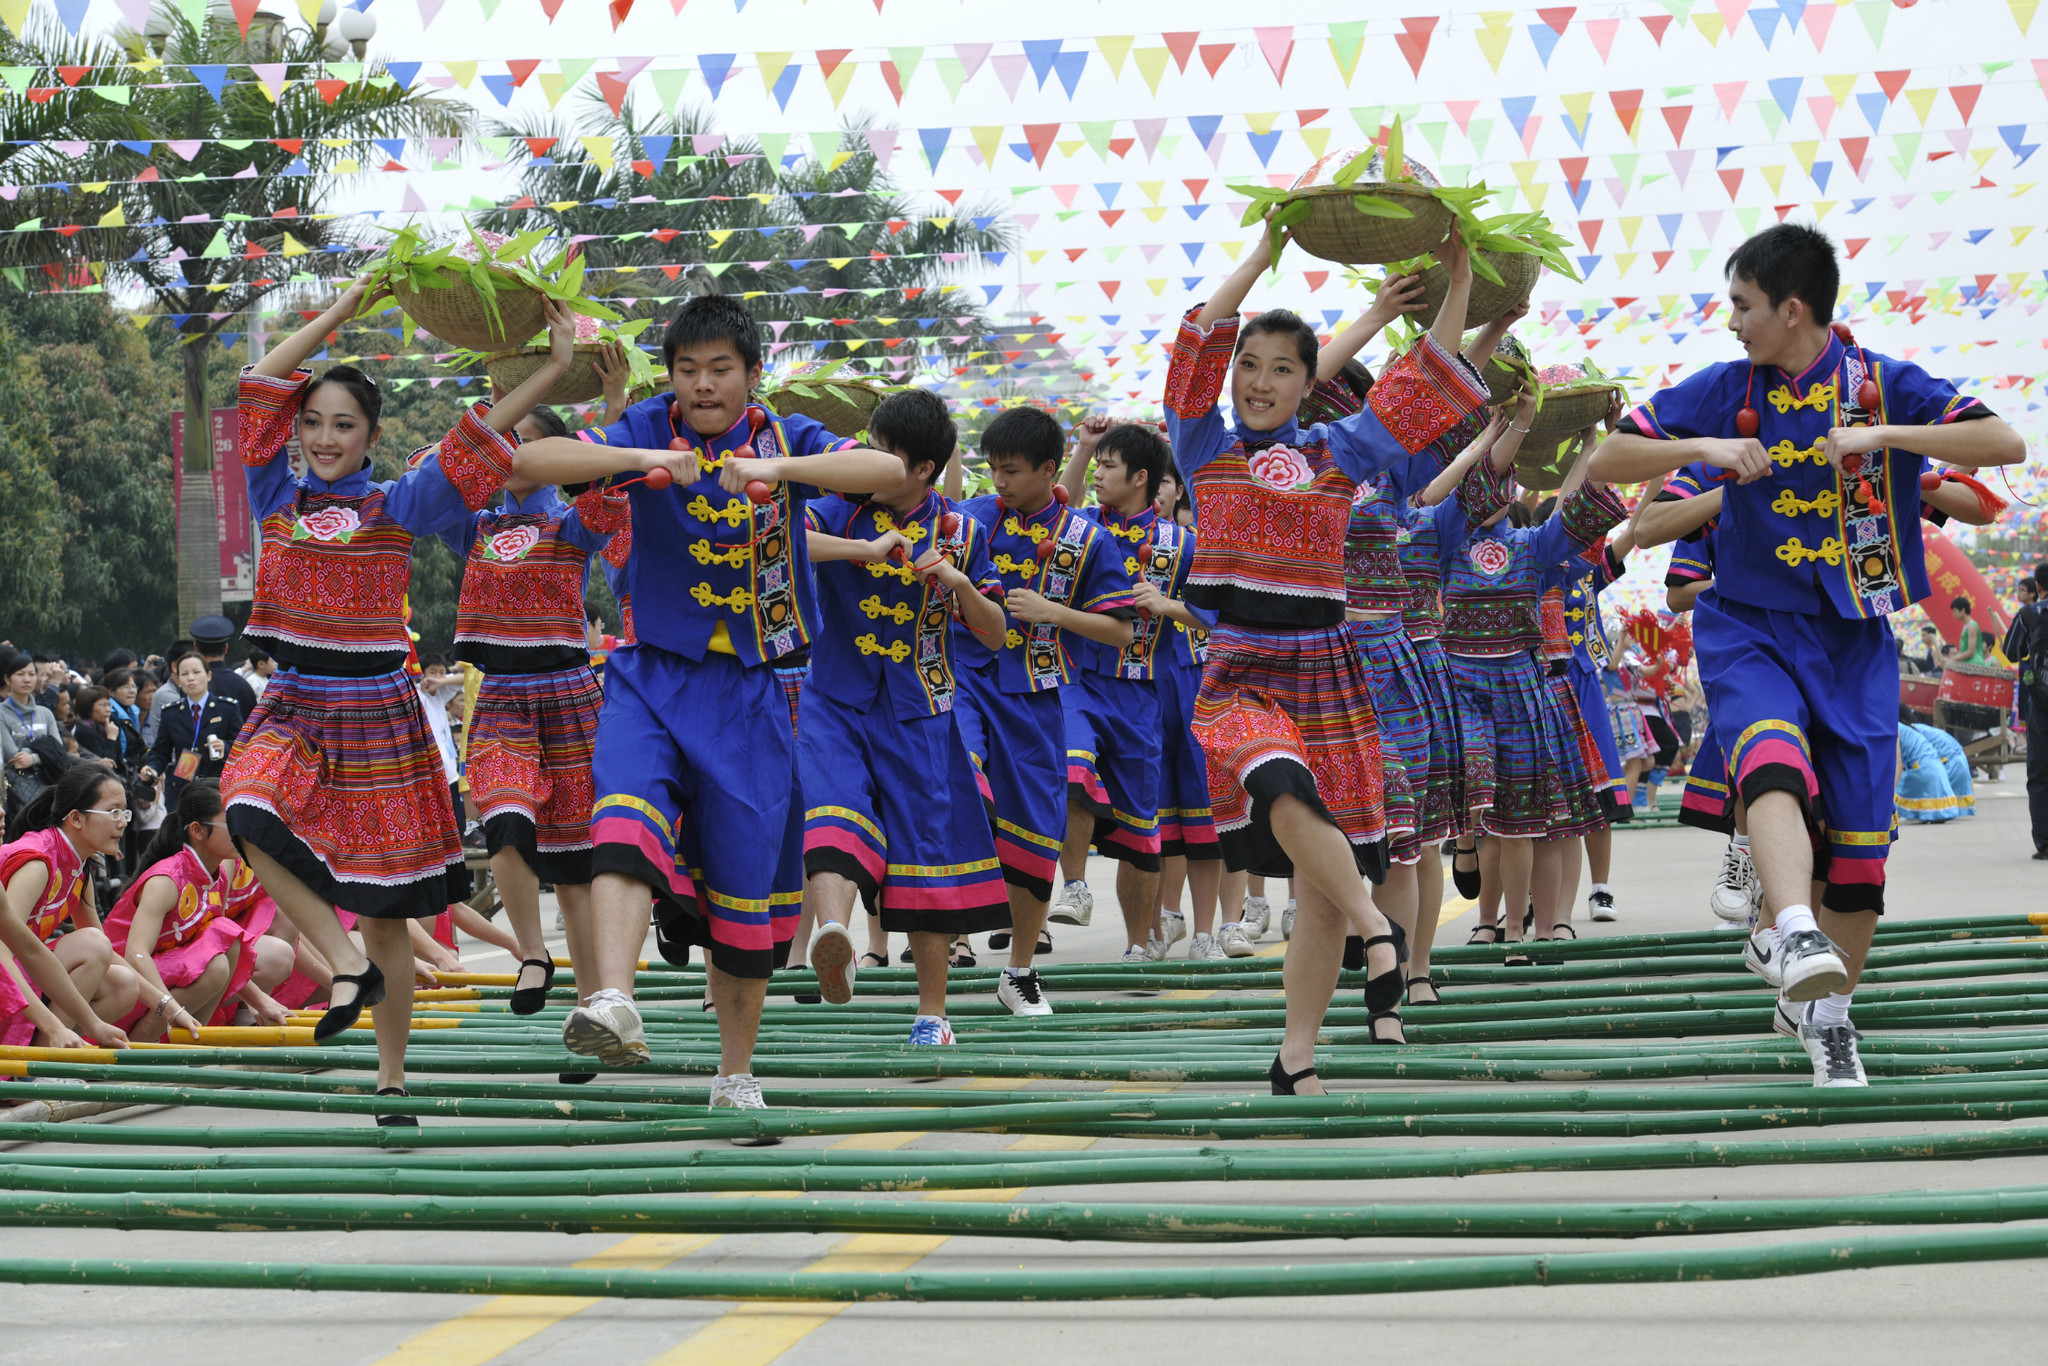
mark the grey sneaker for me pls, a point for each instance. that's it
(609, 1029)
(1205, 947)
(1736, 887)
(1139, 953)
(741, 1091)
(1258, 915)
(1287, 921)
(1173, 927)
(1761, 956)
(1833, 1050)
(1808, 966)
(1234, 942)
(1021, 993)
(1075, 906)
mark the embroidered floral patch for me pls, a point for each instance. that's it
(512, 544)
(327, 524)
(1489, 557)
(1282, 468)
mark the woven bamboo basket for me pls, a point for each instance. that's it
(841, 404)
(461, 316)
(1518, 272)
(1336, 231)
(1543, 460)
(1565, 411)
(579, 384)
(1502, 383)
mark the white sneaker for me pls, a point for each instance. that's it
(1760, 955)
(1173, 927)
(1205, 947)
(741, 1091)
(1138, 953)
(1258, 914)
(608, 1028)
(1075, 906)
(1234, 942)
(1287, 920)
(1600, 906)
(1808, 966)
(930, 1031)
(1022, 993)
(1737, 886)
(561, 923)
(1832, 1048)
(1154, 950)
(832, 957)
(1785, 1018)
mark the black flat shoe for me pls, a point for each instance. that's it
(575, 1078)
(1283, 1081)
(1383, 994)
(1492, 933)
(1043, 946)
(530, 1000)
(1466, 880)
(396, 1121)
(1000, 939)
(1354, 953)
(1435, 997)
(871, 959)
(369, 985)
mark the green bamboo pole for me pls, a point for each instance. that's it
(1630, 1267)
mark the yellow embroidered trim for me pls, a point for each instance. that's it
(739, 599)
(1819, 398)
(943, 870)
(844, 814)
(1021, 833)
(1860, 837)
(899, 651)
(1796, 554)
(873, 607)
(635, 804)
(1784, 727)
(1790, 504)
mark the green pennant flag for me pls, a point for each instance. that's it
(1097, 132)
(773, 145)
(1874, 13)
(17, 78)
(823, 145)
(906, 59)
(668, 86)
(1368, 118)
(954, 73)
(114, 94)
(217, 249)
(575, 69)
(1346, 42)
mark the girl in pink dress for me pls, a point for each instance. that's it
(42, 870)
(172, 928)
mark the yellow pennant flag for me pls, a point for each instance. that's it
(841, 77)
(294, 247)
(600, 150)
(1114, 50)
(989, 139)
(15, 13)
(2023, 12)
(114, 218)
(1151, 63)
(1493, 36)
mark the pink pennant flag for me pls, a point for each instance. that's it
(136, 12)
(1278, 46)
(1149, 131)
(1823, 107)
(1681, 162)
(429, 9)
(272, 75)
(971, 56)
(186, 148)
(1462, 112)
(882, 142)
(1529, 134)
(413, 203)
(1730, 95)
(1010, 70)
(629, 67)
(1602, 32)
(1732, 12)
(1818, 19)
(704, 144)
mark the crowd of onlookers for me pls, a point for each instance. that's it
(156, 721)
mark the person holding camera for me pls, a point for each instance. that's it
(195, 734)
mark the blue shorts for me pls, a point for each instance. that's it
(1112, 742)
(892, 807)
(1709, 802)
(1017, 741)
(1187, 827)
(697, 797)
(1809, 705)
(1599, 723)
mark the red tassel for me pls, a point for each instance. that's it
(1990, 503)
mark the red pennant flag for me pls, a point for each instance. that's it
(1662, 258)
(645, 168)
(538, 147)
(149, 173)
(1182, 46)
(1965, 97)
(1574, 169)
(1589, 228)
(551, 8)
(1119, 146)
(1856, 244)
(252, 251)
(893, 79)
(664, 235)
(613, 88)
(292, 145)
(1676, 116)
(672, 271)
(1892, 82)
(1628, 107)
(1657, 23)
(1109, 216)
(1316, 279)
(1414, 40)
(73, 74)
(1732, 178)
(1854, 148)
(521, 70)
(1195, 188)
(1110, 287)
(951, 196)
(1557, 18)
(619, 9)
(830, 58)
(330, 91)
(1215, 54)
(1040, 136)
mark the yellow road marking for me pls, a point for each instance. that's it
(881, 1143)
(1051, 1143)
(499, 1325)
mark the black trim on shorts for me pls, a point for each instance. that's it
(560, 868)
(678, 924)
(421, 900)
(1254, 848)
(1846, 898)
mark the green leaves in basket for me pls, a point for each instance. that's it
(413, 261)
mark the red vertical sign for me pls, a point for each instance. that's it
(230, 502)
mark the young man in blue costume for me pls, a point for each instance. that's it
(1063, 583)
(695, 770)
(892, 813)
(1819, 446)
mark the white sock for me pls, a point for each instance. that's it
(1797, 920)
(1076, 882)
(1597, 887)
(1015, 972)
(1833, 1010)
(1740, 841)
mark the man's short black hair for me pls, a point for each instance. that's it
(1284, 322)
(1791, 261)
(1030, 432)
(711, 318)
(1139, 449)
(915, 425)
(2041, 577)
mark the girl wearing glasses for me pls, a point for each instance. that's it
(172, 926)
(42, 868)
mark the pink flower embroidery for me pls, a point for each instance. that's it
(1489, 557)
(328, 524)
(1282, 468)
(511, 545)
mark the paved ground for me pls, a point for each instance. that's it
(1982, 1312)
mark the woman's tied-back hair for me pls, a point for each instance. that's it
(76, 790)
(1284, 322)
(360, 387)
(548, 420)
(198, 804)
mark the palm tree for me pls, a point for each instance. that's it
(862, 234)
(208, 238)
